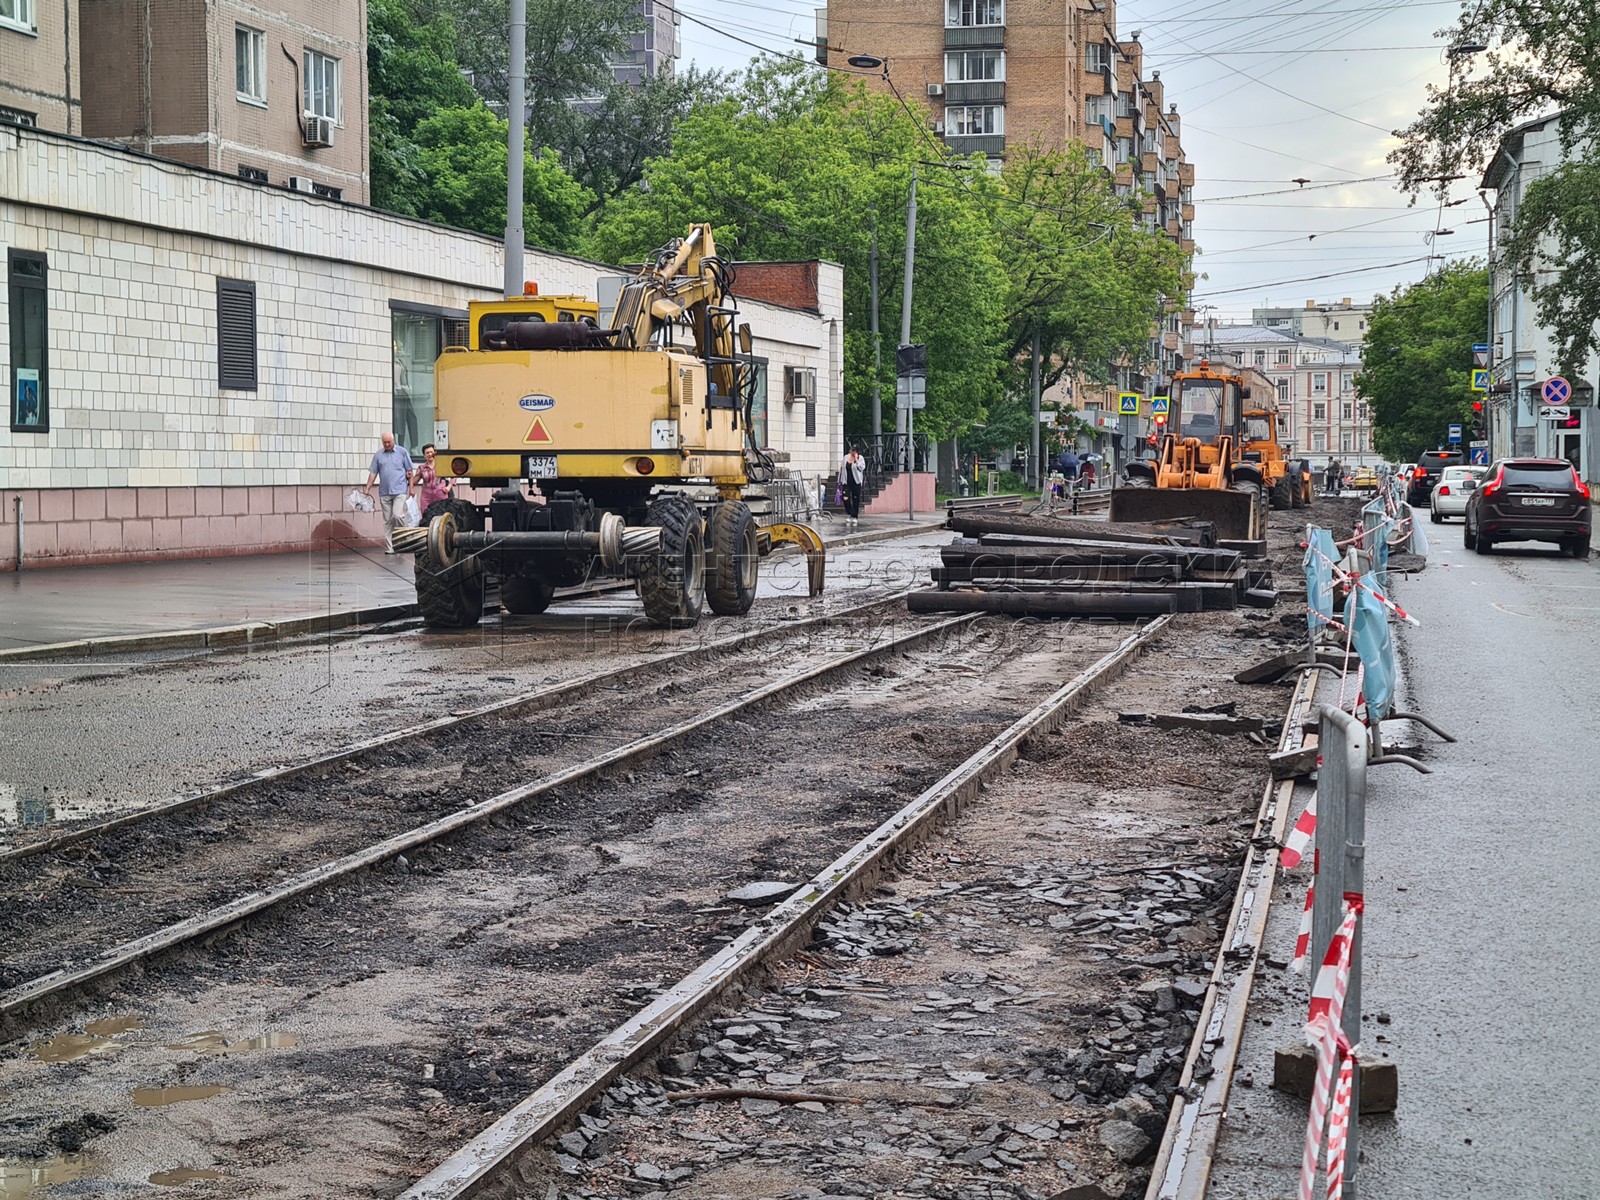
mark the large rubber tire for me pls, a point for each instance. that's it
(449, 594)
(670, 582)
(1469, 540)
(1433, 515)
(733, 563)
(1282, 495)
(1484, 544)
(525, 596)
(1578, 547)
(1259, 496)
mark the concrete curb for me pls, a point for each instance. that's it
(249, 632)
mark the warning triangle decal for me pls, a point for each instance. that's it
(538, 435)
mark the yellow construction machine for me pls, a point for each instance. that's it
(1286, 481)
(637, 437)
(1200, 471)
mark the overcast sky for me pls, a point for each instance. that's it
(1269, 91)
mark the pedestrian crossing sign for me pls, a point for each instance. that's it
(1159, 404)
(1128, 404)
(1480, 379)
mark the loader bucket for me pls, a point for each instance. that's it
(1233, 513)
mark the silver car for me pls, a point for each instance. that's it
(1450, 494)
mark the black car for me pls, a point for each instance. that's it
(1419, 488)
(1529, 500)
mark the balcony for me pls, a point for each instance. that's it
(1186, 174)
(992, 144)
(987, 91)
(975, 37)
(1188, 212)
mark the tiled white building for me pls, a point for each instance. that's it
(199, 365)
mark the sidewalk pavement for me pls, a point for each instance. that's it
(123, 607)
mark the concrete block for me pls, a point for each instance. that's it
(1294, 1071)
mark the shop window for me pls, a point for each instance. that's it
(418, 334)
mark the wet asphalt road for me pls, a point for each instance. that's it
(1486, 959)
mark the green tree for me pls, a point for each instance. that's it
(462, 155)
(1087, 277)
(412, 72)
(1417, 359)
(1544, 61)
(571, 45)
(791, 165)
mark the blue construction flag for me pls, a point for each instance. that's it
(1320, 555)
(1369, 623)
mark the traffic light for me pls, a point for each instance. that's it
(1479, 431)
(1571, 420)
(1161, 422)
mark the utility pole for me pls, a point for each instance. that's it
(877, 340)
(1035, 473)
(903, 421)
(516, 114)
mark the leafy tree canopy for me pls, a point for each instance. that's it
(462, 154)
(1416, 372)
(1542, 60)
(793, 165)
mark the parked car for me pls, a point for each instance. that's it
(1365, 479)
(1451, 492)
(1529, 500)
(1430, 463)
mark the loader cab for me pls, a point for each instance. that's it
(1207, 406)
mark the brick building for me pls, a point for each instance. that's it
(273, 95)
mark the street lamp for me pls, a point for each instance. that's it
(865, 62)
(1463, 49)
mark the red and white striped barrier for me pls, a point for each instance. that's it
(1323, 1031)
(1339, 1125)
(1294, 847)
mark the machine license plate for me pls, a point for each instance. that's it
(538, 466)
(1541, 501)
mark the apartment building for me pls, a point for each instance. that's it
(655, 48)
(1319, 410)
(41, 83)
(1342, 322)
(271, 94)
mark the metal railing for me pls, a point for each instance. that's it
(796, 498)
(886, 455)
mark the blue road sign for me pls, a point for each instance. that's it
(1480, 456)
(1480, 379)
(1128, 404)
(1555, 390)
(1159, 404)
(1455, 433)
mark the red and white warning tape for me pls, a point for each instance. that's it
(1339, 1125)
(1302, 941)
(1323, 1031)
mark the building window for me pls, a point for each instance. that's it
(1345, 442)
(1347, 383)
(1283, 358)
(1319, 383)
(252, 174)
(1319, 411)
(250, 64)
(18, 14)
(1260, 358)
(418, 333)
(974, 66)
(236, 334)
(29, 297)
(326, 192)
(1283, 389)
(759, 425)
(1349, 411)
(1336, 326)
(322, 86)
(1319, 443)
(18, 116)
(974, 12)
(974, 118)
(1094, 56)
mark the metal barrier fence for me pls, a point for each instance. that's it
(796, 498)
(1354, 642)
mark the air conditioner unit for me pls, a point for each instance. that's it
(299, 183)
(799, 383)
(937, 126)
(319, 130)
(936, 89)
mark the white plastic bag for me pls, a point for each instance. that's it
(413, 513)
(360, 501)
